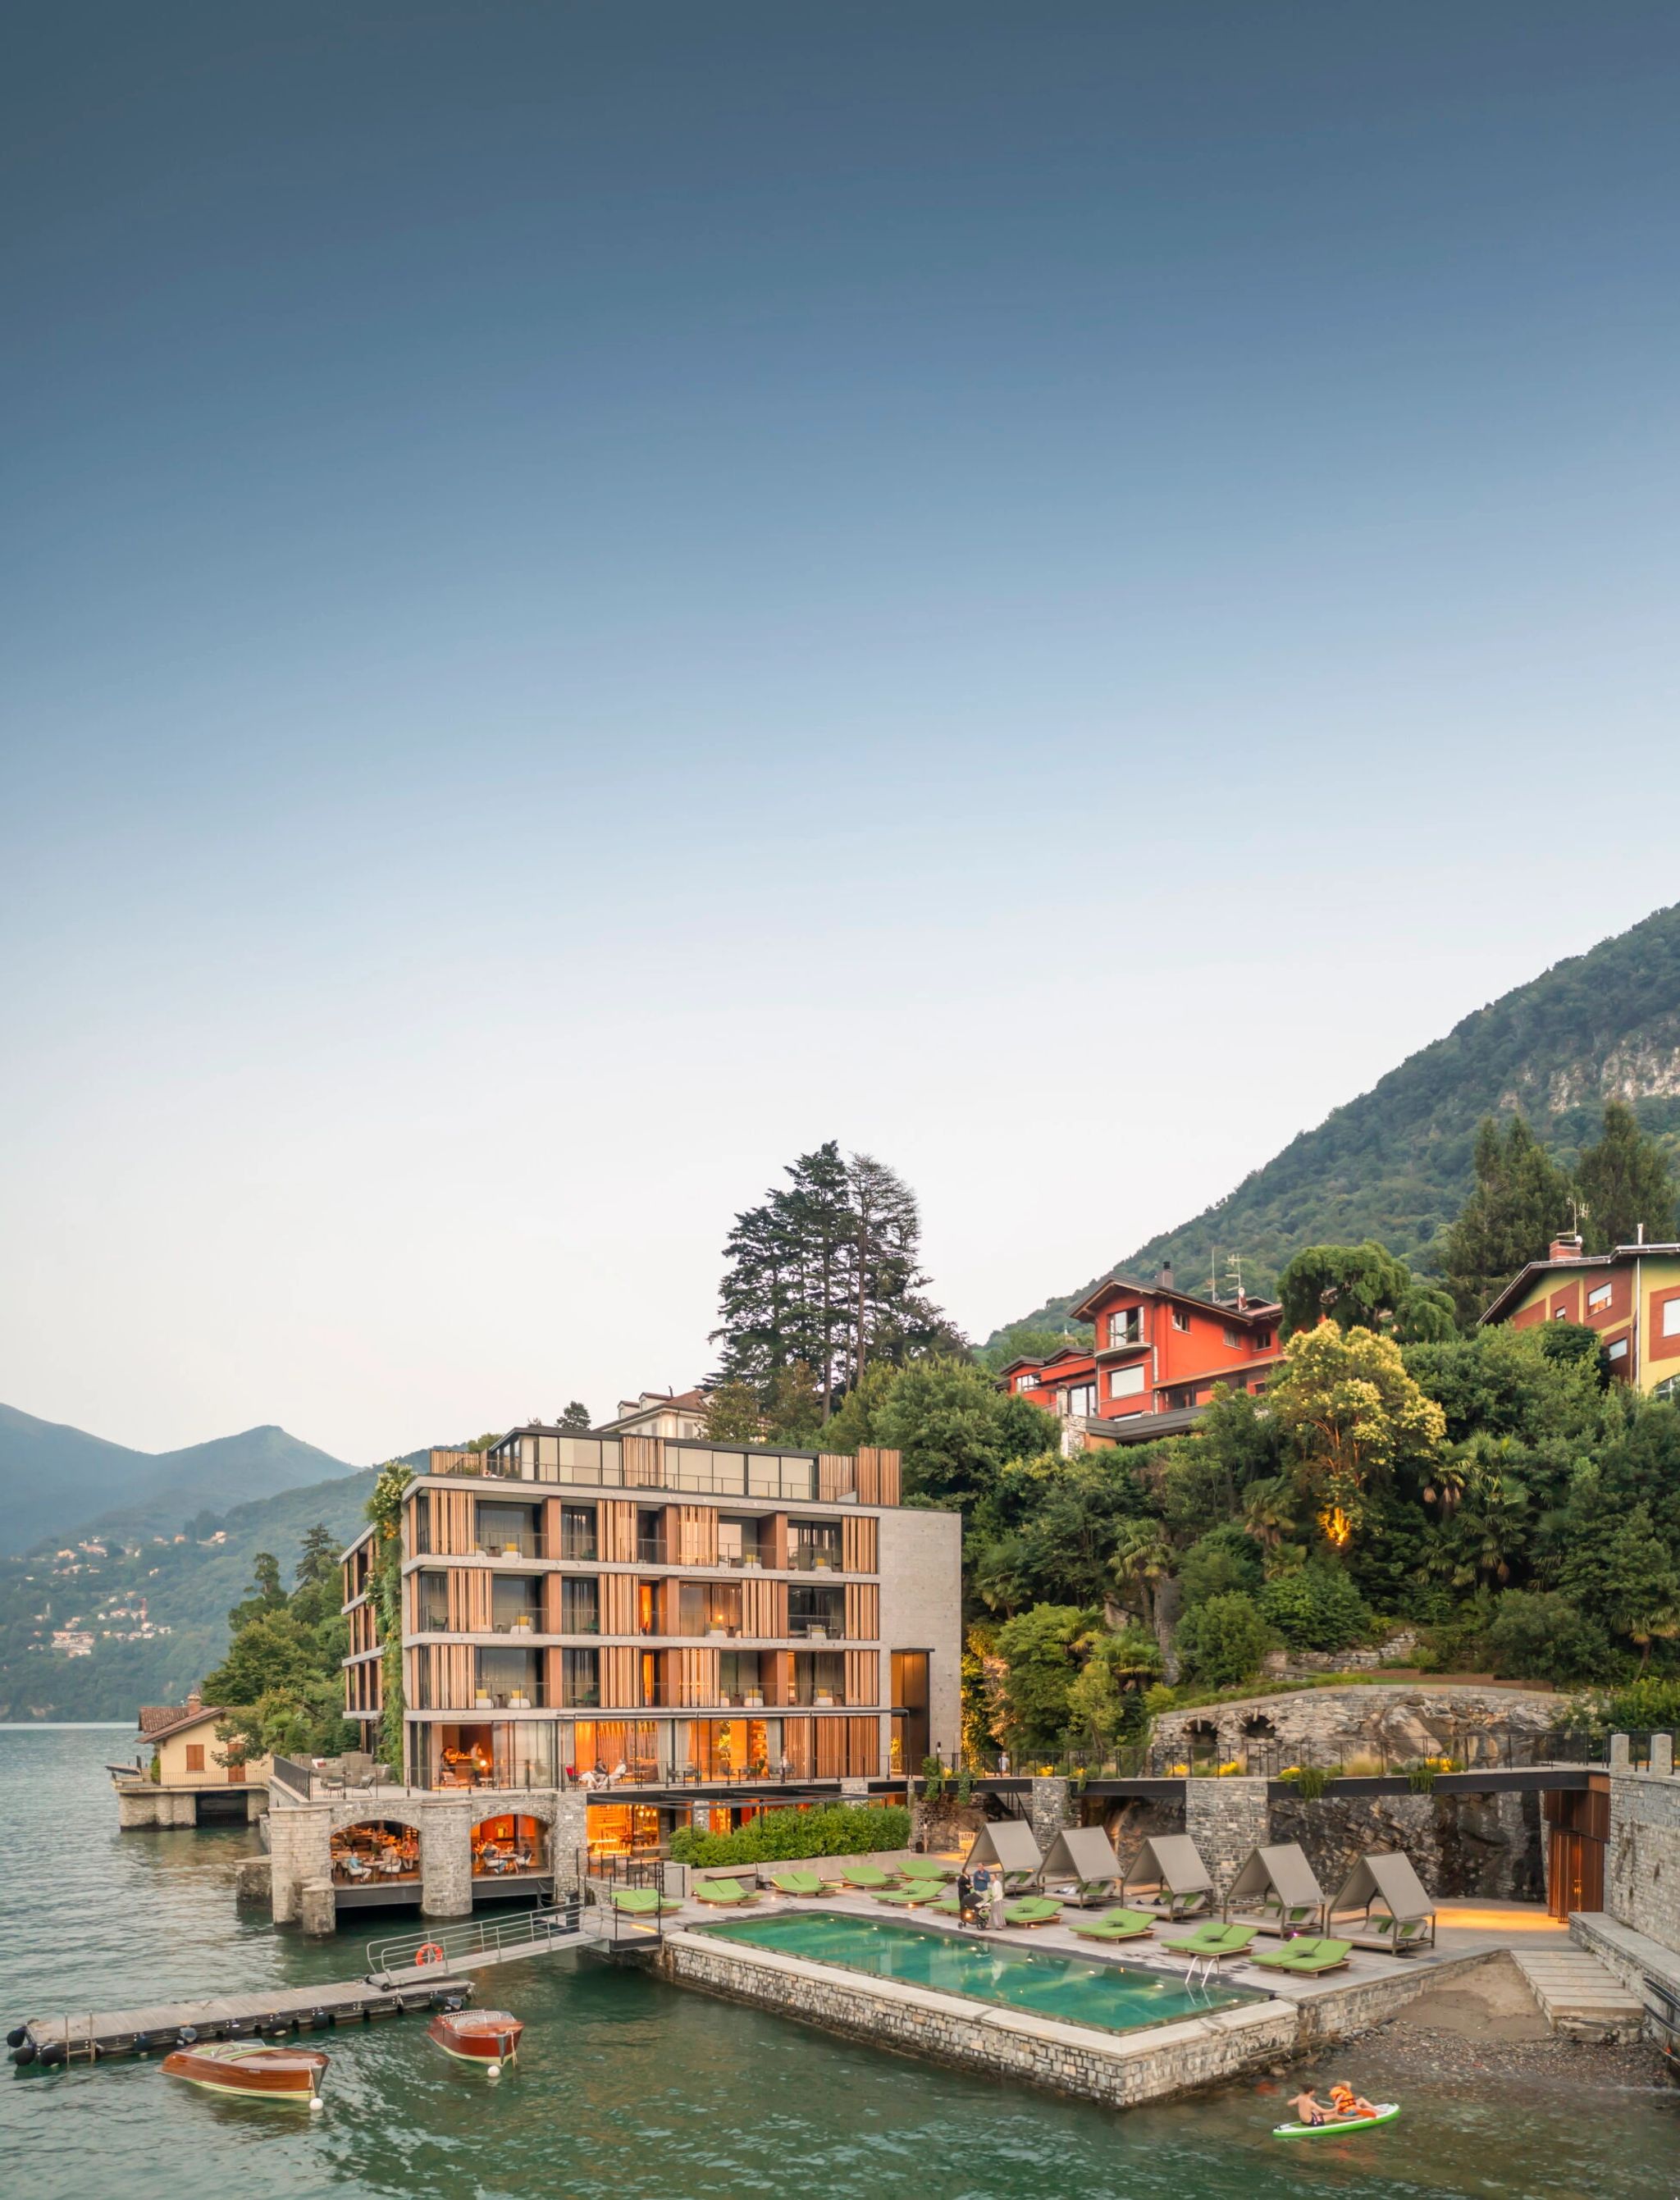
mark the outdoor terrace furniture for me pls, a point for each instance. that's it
(1083, 1855)
(868, 1876)
(1215, 1940)
(1305, 1958)
(948, 1906)
(1009, 1845)
(642, 1901)
(921, 1891)
(1116, 1925)
(1031, 1909)
(1385, 1903)
(726, 1894)
(795, 1882)
(1168, 1876)
(1276, 1891)
(927, 1868)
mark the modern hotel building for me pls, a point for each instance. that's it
(671, 1613)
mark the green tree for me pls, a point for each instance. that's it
(1226, 1558)
(1363, 1286)
(576, 1418)
(316, 1558)
(1037, 1649)
(264, 1594)
(1352, 1415)
(1027, 1340)
(1105, 1701)
(1315, 1607)
(733, 1414)
(1223, 1642)
(1520, 1202)
(1625, 1184)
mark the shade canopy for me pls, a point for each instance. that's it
(1282, 1871)
(1388, 1878)
(1172, 1859)
(1009, 1845)
(1082, 1852)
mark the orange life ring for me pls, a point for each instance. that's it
(431, 1953)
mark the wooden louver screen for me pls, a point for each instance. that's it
(697, 1535)
(615, 1532)
(452, 1533)
(862, 1676)
(450, 1676)
(878, 1477)
(618, 1677)
(862, 1612)
(644, 1462)
(764, 1608)
(469, 1606)
(617, 1604)
(860, 1543)
(834, 1475)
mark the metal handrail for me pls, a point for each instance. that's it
(484, 1936)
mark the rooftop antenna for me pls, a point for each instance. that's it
(1234, 1269)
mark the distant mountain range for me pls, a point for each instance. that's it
(1396, 1163)
(55, 1480)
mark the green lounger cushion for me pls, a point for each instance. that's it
(907, 1898)
(1117, 1925)
(923, 1868)
(1031, 1909)
(867, 1874)
(641, 1901)
(796, 1882)
(948, 1906)
(1306, 1955)
(725, 1891)
(1212, 1939)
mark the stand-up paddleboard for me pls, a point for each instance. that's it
(1386, 2112)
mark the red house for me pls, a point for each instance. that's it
(1158, 1352)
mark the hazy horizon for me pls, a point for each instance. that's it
(600, 596)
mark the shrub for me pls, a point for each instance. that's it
(1223, 1641)
(1317, 1607)
(1642, 1706)
(832, 1829)
(1308, 1780)
(1539, 1635)
(1226, 1558)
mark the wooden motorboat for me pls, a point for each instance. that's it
(252, 2070)
(487, 2037)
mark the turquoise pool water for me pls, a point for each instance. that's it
(1109, 1996)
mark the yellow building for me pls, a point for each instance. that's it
(193, 1787)
(1630, 1296)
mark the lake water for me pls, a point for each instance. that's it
(627, 2088)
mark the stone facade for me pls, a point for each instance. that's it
(1050, 1809)
(1117, 2068)
(1225, 1818)
(143, 1803)
(1641, 1876)
(1416, 1719)
(1489, 1846)
(922, 1609)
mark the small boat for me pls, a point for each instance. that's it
(486, 2037)
(1385, 2112)
(248, 2069)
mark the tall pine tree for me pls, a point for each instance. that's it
(1521, 1199)
(1624, 1181)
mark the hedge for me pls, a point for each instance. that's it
(832, 1829)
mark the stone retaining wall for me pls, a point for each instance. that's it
(1413, 1719)
(1643, 1863)
(1117, 2068)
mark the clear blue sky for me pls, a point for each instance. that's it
(596, 594)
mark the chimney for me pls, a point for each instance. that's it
(1566, 1246)
(1163, 1275)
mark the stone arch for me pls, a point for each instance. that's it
(376, 1848)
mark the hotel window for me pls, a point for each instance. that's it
(1599, 1299)
(1127, 1328)
(1181, 1321)
(1081, 1398)
(1125, 1382)
(577, 1531)
(1616, 1351)
(580, 1605)
(738, 1542)
(1671, 1317)
(195, 1756)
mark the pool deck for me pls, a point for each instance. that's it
(1120, 2069)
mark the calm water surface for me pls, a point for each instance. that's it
(626, 2088)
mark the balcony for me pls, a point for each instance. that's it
(817, 1630)
(533, 1696)
(741, 1560)
(649, 1551)
(1122, 1343)
(814, 1561)
(511, 1544)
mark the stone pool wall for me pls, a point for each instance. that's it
(1118, 2069)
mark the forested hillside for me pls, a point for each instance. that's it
(187, 1588)
(1395, 1164)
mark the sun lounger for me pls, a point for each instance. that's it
(947, 1905)
(728, 1893)
(925, 1892)
(1116, 1925)
(1031, 1909)
(1305, 1958)
(1218, 1941)
(642, 1902)
(927, 1868)
(795, 1882)
(868, 1877)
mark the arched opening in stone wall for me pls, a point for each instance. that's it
(1257, 1726)
(379, 1851)
(506, 1846)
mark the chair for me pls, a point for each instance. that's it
(1306, 1958)
(869, 1877)
(795, 1882)
(1031, 1909)
(948, 1906)
(927, 1868)
(725, 1893)
(353, 1866)
(642, 1902)
(1116, 1925)
(1215, 1940)
(920, 1891)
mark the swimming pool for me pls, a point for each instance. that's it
(1109, 1996)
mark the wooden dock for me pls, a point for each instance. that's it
(271, 2012)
